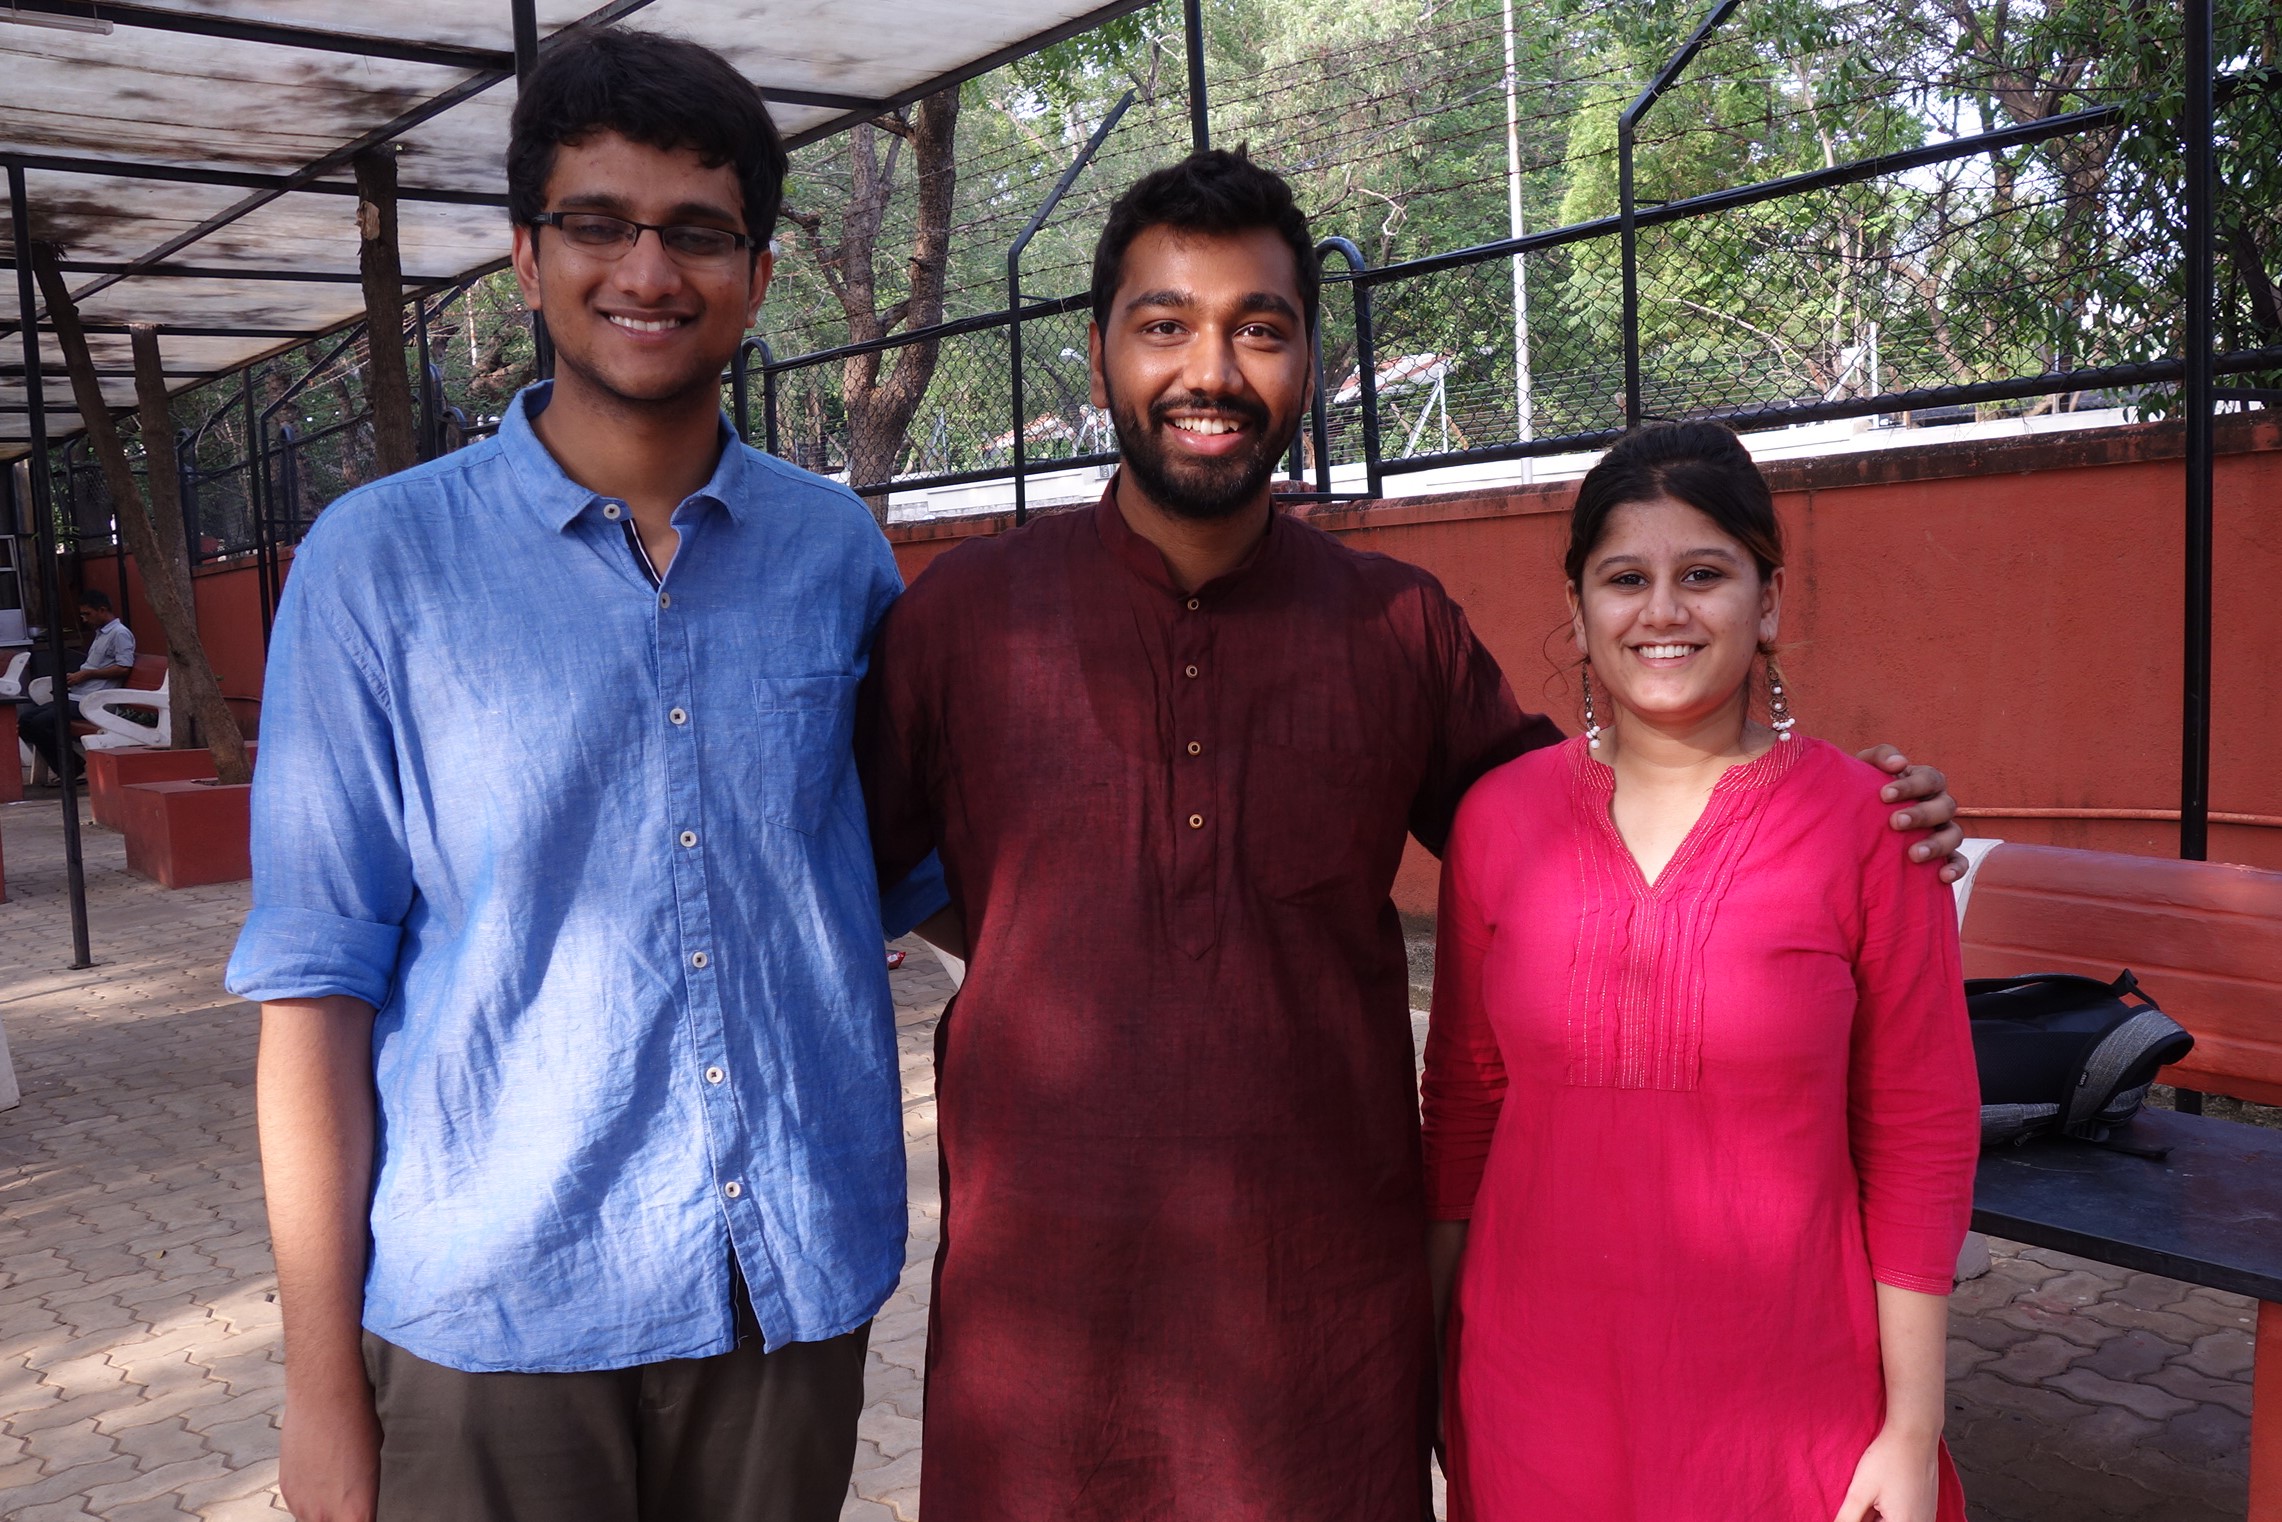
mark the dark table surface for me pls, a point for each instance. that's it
(2210, 1213)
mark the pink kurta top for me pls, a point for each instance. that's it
(1693, 1124)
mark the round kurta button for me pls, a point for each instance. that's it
(699, 960)
(1194, 605)
(1192, 671)
(678, 716)
(1196, 821)
(714, 1075)
(611, 511)
(733, 1189)
(689, 837)
(1195, 749)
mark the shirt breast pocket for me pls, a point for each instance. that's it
(803, 728)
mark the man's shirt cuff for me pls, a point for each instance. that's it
(306, 954)
(918, 898)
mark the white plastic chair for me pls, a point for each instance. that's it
(12, 681)
(114, 730)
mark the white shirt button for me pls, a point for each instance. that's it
(679, 716)
(733, 1189)
(1192, 671)
(699, 959)
(665, 599)
(689, 837)
(714, 1075)
(611, 510)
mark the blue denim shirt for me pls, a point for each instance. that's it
(595, 851)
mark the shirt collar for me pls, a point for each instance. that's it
(1146, 561)
(559, 500)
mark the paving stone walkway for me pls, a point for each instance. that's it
(139, 1373)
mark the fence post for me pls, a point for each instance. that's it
(768, 396)
(1200, 105)
(2195, 686)
(740, 412)
(1014, 291)
(1627, 239)
(1321, 422)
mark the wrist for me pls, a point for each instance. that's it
(1912, 1433)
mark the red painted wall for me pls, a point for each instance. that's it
(2009, 611)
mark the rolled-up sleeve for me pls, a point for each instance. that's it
(332, 874)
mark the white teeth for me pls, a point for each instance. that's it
(1205, 425)
(665, 326)
(1664, 652)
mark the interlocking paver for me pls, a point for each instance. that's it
(139, 1327)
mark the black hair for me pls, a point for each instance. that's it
(1700, 463)
(91, 597)
(1214, 191)
(654, 89)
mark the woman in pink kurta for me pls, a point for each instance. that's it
(1696, 1117)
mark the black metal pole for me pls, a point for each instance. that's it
(740, 410)
(1367, 372)
(526, 15)
(1627, 211)
(768, 396)
(1200, 104)
(1346, 250)
(430, 423)
(2195, 695)
(1014, 289)
(43, 531)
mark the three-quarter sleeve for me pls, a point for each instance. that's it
(332, 871)
(1465, 1082)
(1913, 1092)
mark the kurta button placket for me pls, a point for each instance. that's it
(1195, 749)
(1192, 670)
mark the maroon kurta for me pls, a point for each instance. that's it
(1182, 1271)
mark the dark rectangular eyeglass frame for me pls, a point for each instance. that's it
(555, 219)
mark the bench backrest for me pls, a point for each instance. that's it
(2204, 938)
(149, 672)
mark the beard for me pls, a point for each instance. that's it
(1204, 491)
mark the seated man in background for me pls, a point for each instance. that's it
(110, 660)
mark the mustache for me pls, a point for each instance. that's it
(1240, 408)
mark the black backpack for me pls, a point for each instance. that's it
(2062, 1055)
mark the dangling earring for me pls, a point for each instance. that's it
(1592, 726)
(1778, 710)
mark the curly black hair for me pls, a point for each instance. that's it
(1212, 191)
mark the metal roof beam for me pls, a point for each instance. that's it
(240, 179)
(221, 272)
(444, 55)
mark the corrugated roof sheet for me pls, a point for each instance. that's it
(294, 94)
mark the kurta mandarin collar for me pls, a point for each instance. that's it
(1148, 562)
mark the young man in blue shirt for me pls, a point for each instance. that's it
(578, 1097)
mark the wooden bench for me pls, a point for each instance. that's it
(2206, 942)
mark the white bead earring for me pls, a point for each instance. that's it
(1778, 709)
(1592, 726)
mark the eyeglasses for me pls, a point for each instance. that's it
(611, 237)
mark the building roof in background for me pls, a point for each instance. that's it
(193, 159)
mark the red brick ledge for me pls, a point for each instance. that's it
(2129, 444)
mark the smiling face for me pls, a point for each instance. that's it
(1205, 366)
(642, 327)
(1670, 610)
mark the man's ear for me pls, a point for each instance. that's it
(764, 267)
(525, 257)
(1097, 383)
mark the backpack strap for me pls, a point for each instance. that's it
(2114, 1056)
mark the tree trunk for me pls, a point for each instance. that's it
(162, 479)
(880, 398)
(387, 385)
(194, 682)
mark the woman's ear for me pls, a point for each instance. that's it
(1577, 622)
(1771, 607)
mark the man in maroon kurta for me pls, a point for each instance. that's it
(1169, 748)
